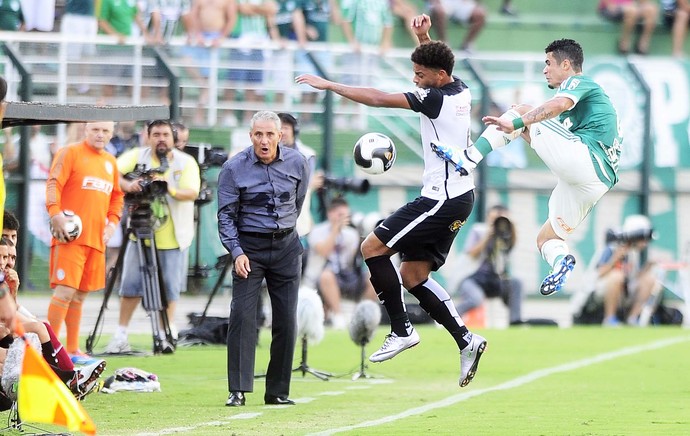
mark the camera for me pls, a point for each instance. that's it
(504, 232)
(621, 237)
(206, 155)
(150, 188)
(347, 184)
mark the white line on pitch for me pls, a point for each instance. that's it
(510, 384)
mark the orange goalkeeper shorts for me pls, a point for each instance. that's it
(77, 266)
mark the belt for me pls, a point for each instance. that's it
(278, 234)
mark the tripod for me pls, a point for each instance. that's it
(362, 366)
(154, 299)
(304, 368)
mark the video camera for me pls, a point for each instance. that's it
(207, 155)
(150, 188)
(347, 184)
(621, 237)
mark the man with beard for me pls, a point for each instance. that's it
(173, 224)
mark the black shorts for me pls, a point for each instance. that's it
(424, 229)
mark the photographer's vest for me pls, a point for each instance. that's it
(181, 212)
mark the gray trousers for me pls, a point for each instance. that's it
(279, 262)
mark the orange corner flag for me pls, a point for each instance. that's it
(43, 397)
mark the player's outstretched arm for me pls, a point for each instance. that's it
(368, 96)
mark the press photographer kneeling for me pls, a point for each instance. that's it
(172, 191)
(623, 284)
(491, 244)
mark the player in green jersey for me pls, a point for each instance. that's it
(577, 135)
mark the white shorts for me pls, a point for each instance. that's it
(459, 10)
(38, 14)
(82, 25)
(578, 188)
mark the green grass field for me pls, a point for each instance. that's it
(531, 381)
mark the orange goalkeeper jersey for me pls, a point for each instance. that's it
(86, 181)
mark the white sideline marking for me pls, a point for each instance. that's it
(510, 384)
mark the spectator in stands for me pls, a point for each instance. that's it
(211, 21)
(467, 12)
(335, 263)
(117, 18)
(11, 15)
(317, 15)
(166, 17)
(39, 15)
(623, 285)
(368, 22)
(491, 243)
(630, 13)
(677, 17)
(256, 25)
(80, 21)
(406, 11)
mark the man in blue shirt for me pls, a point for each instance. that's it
(261, 191)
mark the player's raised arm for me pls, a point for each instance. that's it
(421, 25)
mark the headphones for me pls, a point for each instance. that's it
(291, 120)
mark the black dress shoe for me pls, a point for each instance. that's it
(284, 401)
(235, 399)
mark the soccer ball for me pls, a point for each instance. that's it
(374, 153)
(73, 226)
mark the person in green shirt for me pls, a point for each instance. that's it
(577, 135)
(11, 15)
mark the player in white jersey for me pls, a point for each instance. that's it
(423, 230)
(577, 135)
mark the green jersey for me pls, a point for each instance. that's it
(594, 120)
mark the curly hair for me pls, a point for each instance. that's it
(435, 55)
(570, 49)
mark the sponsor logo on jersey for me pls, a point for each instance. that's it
(96, 184)
(537, 132)
(461, 110)
(421, 93)
(108, 167)
(564, 226)
(456, 225)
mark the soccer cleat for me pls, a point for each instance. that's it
(118, 346)
(85, 379)
(469, 359)
(394, 345)
(554, 281)
(458, 158)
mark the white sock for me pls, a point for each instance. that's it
(492, 138)
(121, 332)
(553, 250)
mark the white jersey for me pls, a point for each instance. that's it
(445, 117)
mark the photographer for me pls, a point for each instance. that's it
(491, 244)
(623, 285)
(335, 263)
(170, 192)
